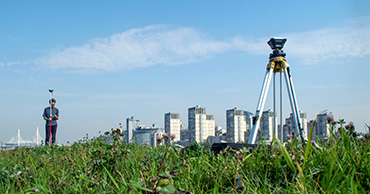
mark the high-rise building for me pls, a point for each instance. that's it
(267, 126)
(200, 124)
(249, 119)
(131, 124)
(286, 130)
(321, 129)
(172, 124)
(249, 122)
(289, 128)
(309, 126)
(236, 125)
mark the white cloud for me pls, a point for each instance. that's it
(152, 45)
(331, 44)
(10, 63)
(141, 47)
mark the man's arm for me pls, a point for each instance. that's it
(45, 116)
(56, 116)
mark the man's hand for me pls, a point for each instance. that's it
(56, 117)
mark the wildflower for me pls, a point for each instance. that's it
(165, 136)
(330, 118)
(172, 136)
(288, 136)
(159, 138)
(325, 138)
(350, 125)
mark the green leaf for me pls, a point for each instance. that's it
(164, 182)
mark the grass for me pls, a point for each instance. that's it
(340, 164)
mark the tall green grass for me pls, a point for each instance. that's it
(340, 164)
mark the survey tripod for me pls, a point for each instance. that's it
(277, 64)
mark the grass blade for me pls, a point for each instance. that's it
(308, 145)
(286, 156)
(110, 176)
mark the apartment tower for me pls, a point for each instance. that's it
(172, 124)
(201, 125)
(236, 125)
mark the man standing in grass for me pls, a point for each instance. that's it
(51, 119)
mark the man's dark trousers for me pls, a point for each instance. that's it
(53, 133)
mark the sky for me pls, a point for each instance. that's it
(110, 60)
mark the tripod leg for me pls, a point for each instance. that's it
(261, 104)
(275, 131)
(293, 103)
(281, 108)
(300, 126)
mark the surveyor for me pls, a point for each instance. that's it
(51, 115)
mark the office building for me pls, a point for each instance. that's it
(200, 124)
(147, 135)
(236, 125)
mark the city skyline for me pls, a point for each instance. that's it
(108, 61)
(237, 130)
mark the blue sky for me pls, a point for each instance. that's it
(108, 60)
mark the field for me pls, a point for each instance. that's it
(337, 164)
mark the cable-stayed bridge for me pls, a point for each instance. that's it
(18, 141)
